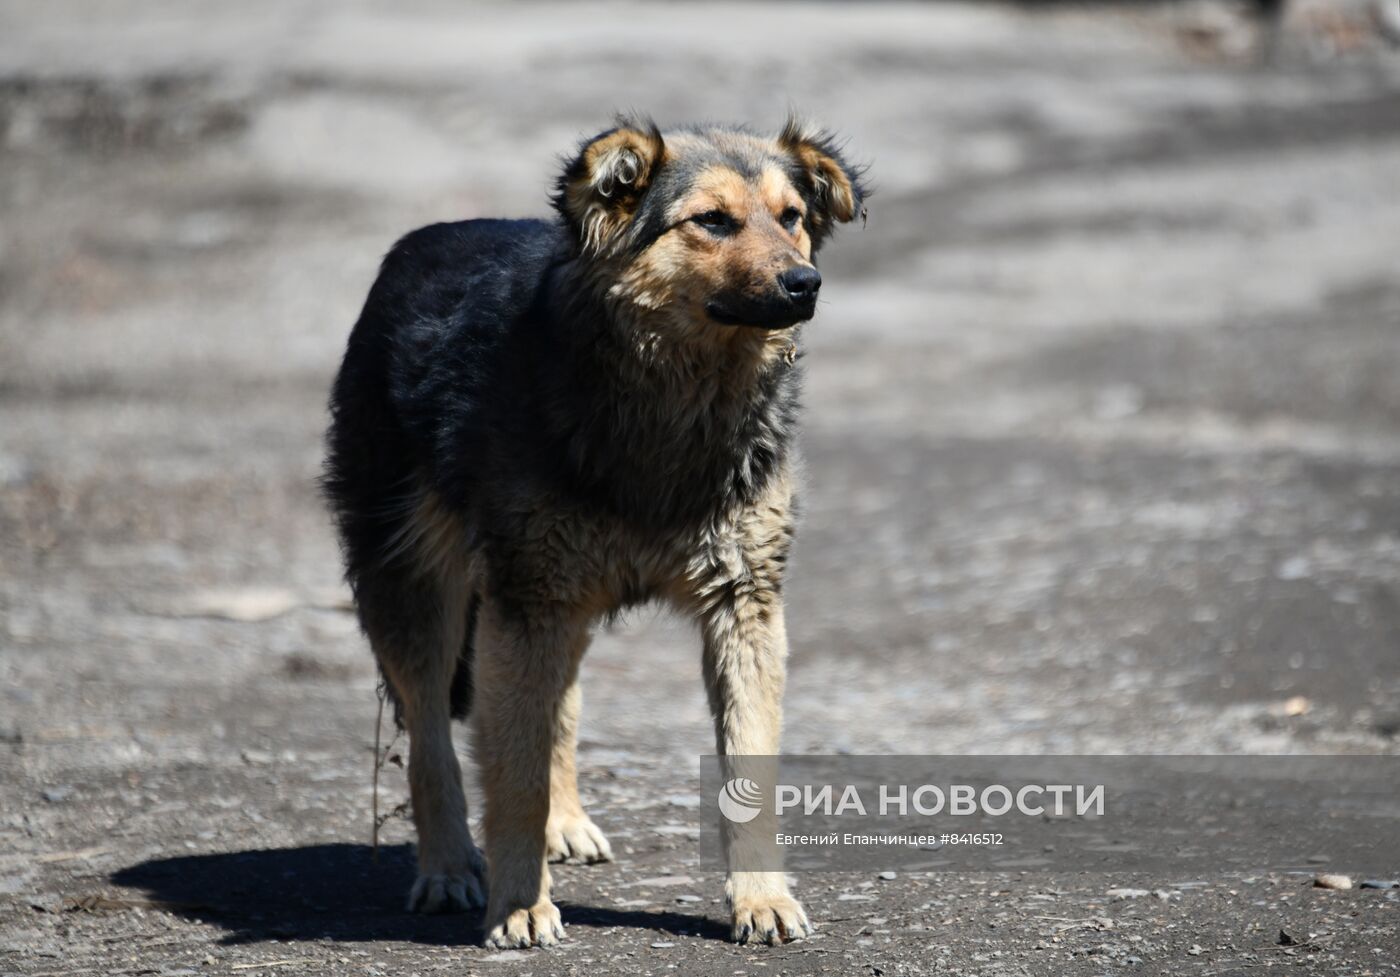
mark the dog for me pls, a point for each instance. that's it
(540, 423)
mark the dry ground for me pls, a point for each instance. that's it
(1103, 441)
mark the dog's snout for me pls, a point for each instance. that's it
(801, 283)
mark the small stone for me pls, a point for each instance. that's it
(1117, 402)
(658, 881)
(688, 830)
(1128, 893)
(1332, 882)
(57, 795)
(1298, 705)
(246, 604)
(1294, 568)
(889, 876)
(662, 945)
(689, 898)
(1380, 884)
(1196, 950)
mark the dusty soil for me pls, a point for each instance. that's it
(1103, 442)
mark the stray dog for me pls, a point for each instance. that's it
(540, 423)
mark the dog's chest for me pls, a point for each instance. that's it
(605, 564)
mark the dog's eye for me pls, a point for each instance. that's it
(715, 221)
(790, 218)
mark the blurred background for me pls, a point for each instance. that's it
(1103, 427)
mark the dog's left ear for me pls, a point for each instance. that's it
(599, 190)
(833, 187)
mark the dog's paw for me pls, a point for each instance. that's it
(576, 839)
(539, 925)
(451, 891)
(770, 919)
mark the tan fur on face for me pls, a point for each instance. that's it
(760, 249)
(672, 280)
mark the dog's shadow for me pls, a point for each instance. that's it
(338, 892)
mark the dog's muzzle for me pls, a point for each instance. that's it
(792, 300)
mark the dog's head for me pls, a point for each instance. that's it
(712, 227)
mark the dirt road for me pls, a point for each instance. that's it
(1103, 444)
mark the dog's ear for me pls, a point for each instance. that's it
(833, 188)
(600, 188)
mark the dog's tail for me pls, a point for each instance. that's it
(461, 694)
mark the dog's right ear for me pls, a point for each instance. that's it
(600, 188)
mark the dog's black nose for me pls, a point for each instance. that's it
(801, 284)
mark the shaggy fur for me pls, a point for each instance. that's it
(539, 423)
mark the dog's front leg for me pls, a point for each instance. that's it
(745, 653)
(525, 661)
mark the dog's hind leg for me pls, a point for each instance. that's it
(570, 835)
(525, 662)
(417, 626)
